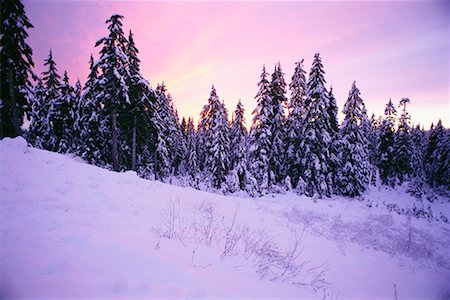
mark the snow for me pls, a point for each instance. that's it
(68, 229)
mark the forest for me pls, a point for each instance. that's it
(118, 121)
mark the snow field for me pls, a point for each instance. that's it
(73, 230)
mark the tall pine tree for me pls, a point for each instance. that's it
(16, 62)
(353, 177)
(295, 124)
(238, 148)
(316, 159)
(261, 138)
(403, 146)
(385, 151)
(113, 87)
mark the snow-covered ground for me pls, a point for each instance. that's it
(68, 229)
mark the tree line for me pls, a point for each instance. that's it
(118, 121)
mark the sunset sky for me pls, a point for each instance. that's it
(392, 49)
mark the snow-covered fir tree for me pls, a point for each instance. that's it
(238, 148)
(437, 157)
(191, 149)
(62, 114)
(218, 142)
(334, 134)
(295, 124)
(353, 177)
(113, 87)
(39, 115)
(167, 128)
(277, 153)
(136, 120)
(261, 138)
(403, 146)
(385, 151)
(417, 162)
(316, 161)
(91, 145)
(47, 137)
(16, 63)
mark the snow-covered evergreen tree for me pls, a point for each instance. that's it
(136, 120)
(39, 115)
(113, 87)
(167, 128)
(316, 161)
(92, 144)
(295, 124)
(217, 141)
(334, 134)
(191, 145)
(47, 135)
(277, 153)
(437, 157)
(238, 148)
(385, 151)
(403, 146)
(261, 138)
(417, 162)
(62, 114)
(16, 62)
(353, 177)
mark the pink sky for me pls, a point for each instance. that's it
(391, 49)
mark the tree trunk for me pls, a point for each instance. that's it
(114, 141)
(133, 146)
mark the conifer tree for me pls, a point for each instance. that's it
(113, 87)
(353, 177)
(261, 138)
(217, 141)
(48, 129)
(62, 115)
(437, 157)
(136, 120)
(92, 144)
(295, 124)
(316, 161)
(192, 161)
(166, 123)
(39, 115)
(238, 148)
(277, 155)
(403, 146)
(16, 62)
(386, 145)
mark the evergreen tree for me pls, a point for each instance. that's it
(166, 123)
(49, 129)
(385, 157)
(238, 148)
(136, 120)
(192, 161)
(62, 116)
(403, 146)
(353, 177)
(261, 138)
(113, 87)
(333, 126)
(39, 115)
(92, 145)
(417, 163)
(277, 155)
(295, 124)
(316, 161)
(217, 141)
(16, 90)
(437, 157)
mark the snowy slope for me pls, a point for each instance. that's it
(68, 229)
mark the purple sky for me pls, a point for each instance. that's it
(392, 49)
